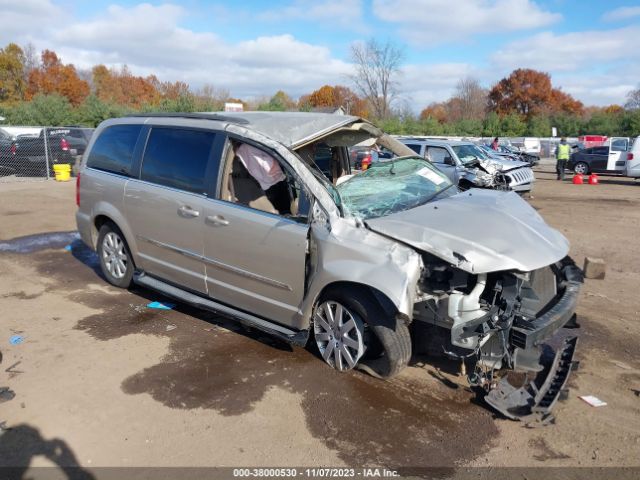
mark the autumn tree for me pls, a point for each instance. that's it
(377, 66)
(52, 76)
(12, 84)
(122, 88)
(335, 97)
(525, 92)
(529, 92)
(435, 111)
(563, 102)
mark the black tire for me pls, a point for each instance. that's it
(387, 340)
(113, 277)
(581, 165)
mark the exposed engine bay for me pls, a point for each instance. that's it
(500, 322)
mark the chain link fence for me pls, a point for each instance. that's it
(30, 153)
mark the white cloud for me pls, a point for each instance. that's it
(342, 12)
(423, 84)
(23, 21)
(438, 21)
(570, 51)
(621, 13)
(149, 39)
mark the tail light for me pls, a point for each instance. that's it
(64, 145)
(78, 190)
(629, 156)
(13, 149)
(366, 162)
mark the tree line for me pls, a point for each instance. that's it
(42, 90)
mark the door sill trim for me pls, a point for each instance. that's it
(295, 337)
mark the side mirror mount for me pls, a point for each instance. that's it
(449, 161)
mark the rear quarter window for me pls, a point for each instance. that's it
(113, 149)
(177, 158)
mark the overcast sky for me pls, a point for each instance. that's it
(253, 48)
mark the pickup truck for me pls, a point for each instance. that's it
(64, 144)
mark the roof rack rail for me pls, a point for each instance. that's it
(201, 116)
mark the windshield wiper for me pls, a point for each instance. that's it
(437, 193)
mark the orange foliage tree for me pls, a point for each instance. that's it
(336, 96)
(123, 88)
(529, 92)
(437, 111)
(52, 76)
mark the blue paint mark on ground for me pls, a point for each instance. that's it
(161, 305)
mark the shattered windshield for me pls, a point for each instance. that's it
(393, 186)
(469, 153)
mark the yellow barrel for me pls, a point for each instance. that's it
(62, 172)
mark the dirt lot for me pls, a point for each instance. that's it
(101, 380)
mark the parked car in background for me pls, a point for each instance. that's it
(530, 158)
(468, 166)
(632, 168)
(499, 153)
(529, 145)
(250, 228)
(6, 141)
(608, 159)
(63, 145)
(362, 157)
(588, 141)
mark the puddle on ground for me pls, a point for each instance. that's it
(214, 363)
(39, 241)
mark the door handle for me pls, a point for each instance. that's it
(217, 220)
(187, 211)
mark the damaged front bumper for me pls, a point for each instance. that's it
(527, 334)
(534, 401)
(552, 334)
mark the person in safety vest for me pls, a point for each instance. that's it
(562, 156)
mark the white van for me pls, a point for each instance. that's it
(633, 159)
(528, 144)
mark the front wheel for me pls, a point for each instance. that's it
(115, 259)
(581, 168)
(352, 331)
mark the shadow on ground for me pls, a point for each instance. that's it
(20, 444)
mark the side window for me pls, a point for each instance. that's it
(619, 145)
(255, 178)
(177, 158)
(415, 147)
(437, 154)
(113, 150)
(600, 150)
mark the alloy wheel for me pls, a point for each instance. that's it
(114, 256)
(338, 334)
(581, 168)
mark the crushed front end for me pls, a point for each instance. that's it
(514, 330)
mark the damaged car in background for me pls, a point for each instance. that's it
(468, 166)
(268, 226)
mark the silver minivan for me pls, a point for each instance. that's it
(243, 214)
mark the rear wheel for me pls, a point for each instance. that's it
(581, 168)
(115, 259)
(351, 330)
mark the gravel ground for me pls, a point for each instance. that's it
(100, 380)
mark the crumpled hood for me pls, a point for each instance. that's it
(501, 165)
(478, 231)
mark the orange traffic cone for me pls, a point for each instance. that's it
(593, 179)
(577, 179)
